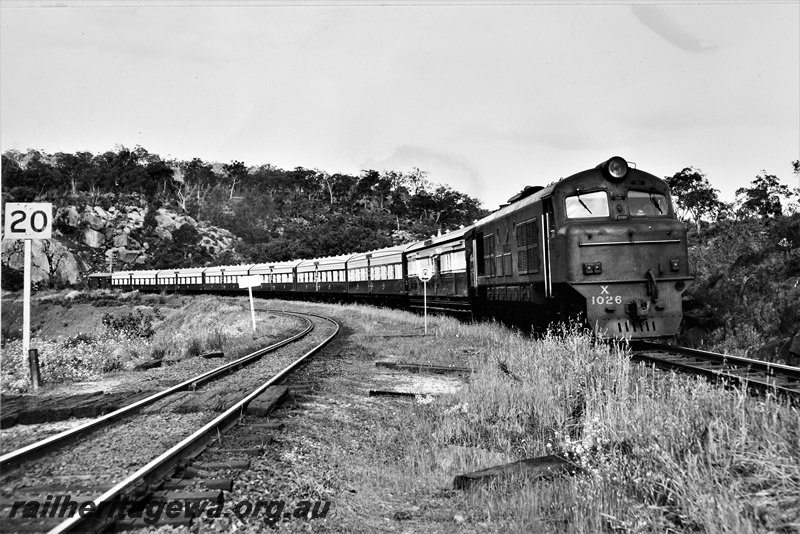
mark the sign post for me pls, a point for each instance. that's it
(425, 275)
(28, 221)
(250, 282)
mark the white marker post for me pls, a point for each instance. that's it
(425, 275)
(28, 221)
(250, 282)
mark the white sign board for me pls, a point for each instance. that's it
(249, 281)
(28, 220)
(425, 274)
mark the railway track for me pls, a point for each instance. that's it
(759, 376)
(62, 439)
(152, 469)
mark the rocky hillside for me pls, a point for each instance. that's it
(87, 239)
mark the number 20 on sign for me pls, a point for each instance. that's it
(33, 220)
(28, 221)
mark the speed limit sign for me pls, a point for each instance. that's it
(425, 274)
(28, 220)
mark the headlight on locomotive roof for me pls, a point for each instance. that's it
(616, 168)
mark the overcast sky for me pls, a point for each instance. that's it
(486, 98)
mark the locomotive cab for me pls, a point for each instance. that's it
(623, 251)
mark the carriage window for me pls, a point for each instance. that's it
(488, 255)
(459, 261)
(585, 205)
(643, 204)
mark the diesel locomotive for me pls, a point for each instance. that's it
(602, 246)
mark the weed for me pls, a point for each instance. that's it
(78, 339)
(195, 347)
(133, 324)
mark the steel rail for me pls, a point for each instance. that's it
(164, 463)
(738, 361)
(765, 376)
(33, 450)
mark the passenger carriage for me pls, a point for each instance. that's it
(378, 275)
(446, 258)
(279, 277)
(192, 279)
(323, 275)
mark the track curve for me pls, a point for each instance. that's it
(41, 447)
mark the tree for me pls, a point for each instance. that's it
(693, 194)
(192, 182)
(235, 170)
(74, 167)
(341, 186)
(764, 197)
(185, 249)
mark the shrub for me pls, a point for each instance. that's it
(12, 280)
(74, 359)
(78, 339)
(135, 324)
(747, 273)
(195, 347)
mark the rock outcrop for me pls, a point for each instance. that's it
(51, 260)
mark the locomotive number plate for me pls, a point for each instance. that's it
(606, 298)
(610, 299)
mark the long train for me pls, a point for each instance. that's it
(603, 246)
